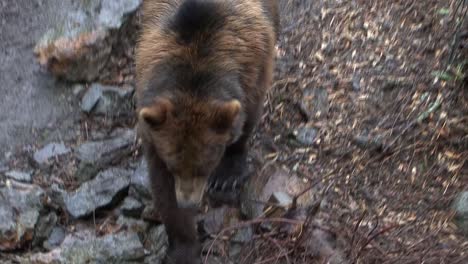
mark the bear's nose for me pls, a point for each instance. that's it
(189, 191)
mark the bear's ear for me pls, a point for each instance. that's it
(226, 114)
(155, 115)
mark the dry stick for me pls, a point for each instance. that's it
(280, 249)
(247, 224)
(434, 106)
(356, 228)
(370, 239)
(272, 258)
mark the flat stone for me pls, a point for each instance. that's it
(49, 151)
(106, 150)
(79, 47)
(314, 102)
(131, 207)
(140, 180)
(20, 206)
(91, 98)
(460, 205)
(115, 101)
(108, 100)
(306, 135)
(356, 83)
(85, 247)
(55, 239)
(19, 176)
(100, 192)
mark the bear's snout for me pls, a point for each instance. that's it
(189, 191)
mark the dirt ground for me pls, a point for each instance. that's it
(393, 141)
(32, 100)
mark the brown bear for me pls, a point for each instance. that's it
(203, 68)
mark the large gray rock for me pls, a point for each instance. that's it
(102, 191)
(49, 151)
(96, 155)
(20, 207)
(85, 247)
(460, 205)
(106, 150)
(79, 47)
(140, 180)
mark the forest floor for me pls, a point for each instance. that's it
(369, 109)
(390, 116)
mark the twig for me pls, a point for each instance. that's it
(370, 239)
(247, 224)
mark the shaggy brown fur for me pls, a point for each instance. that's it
(203, 67)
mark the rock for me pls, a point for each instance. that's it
(107, 100)
(55, 238)
(135, 225)
(243, 235)
(115, 101)
(369, 143)
(156, 241)
(279, 203)
(91, 98)
(314, 102)
(95, 155)
(20, 206)
(140, 180)
(216, 219)
(151, 215)
(80, 46)
(262, 185)
(306, 135)
(131, 207)
(86, 171)
(356, 83)
(106, 150)
(49, 151)
(85, 247)
(78, 89)
(323, 245)
(100, 192)
(3, 168)
(19, 176)
(460, 205)
(44, 227)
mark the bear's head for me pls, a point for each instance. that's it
(190, 135)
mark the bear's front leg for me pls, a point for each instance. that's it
(184, 246)
(225, 183)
